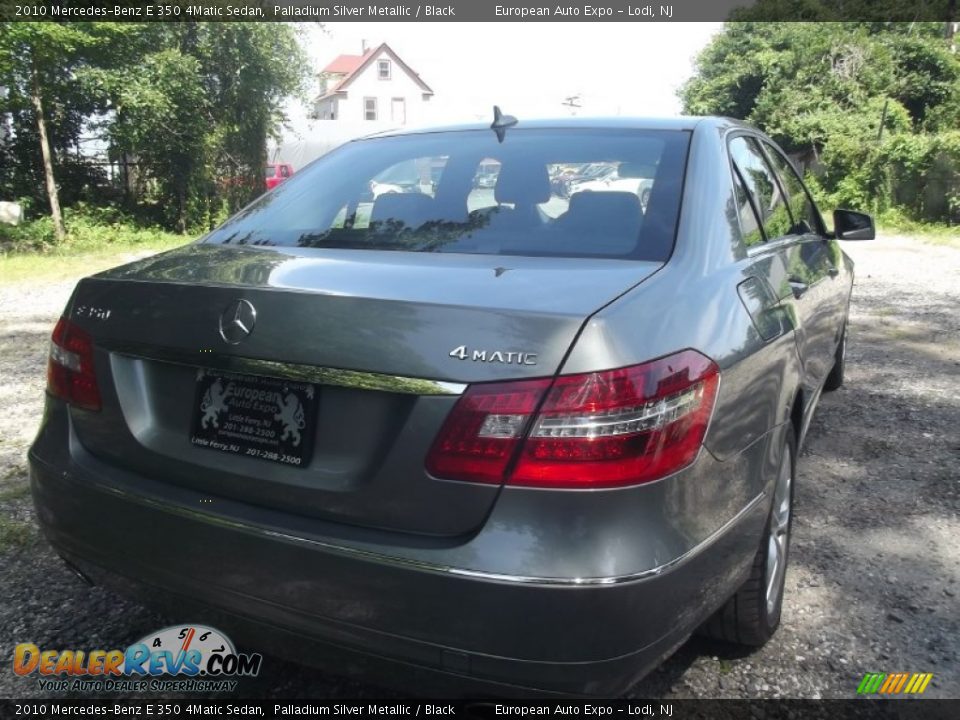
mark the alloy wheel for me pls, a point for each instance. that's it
(779, 535)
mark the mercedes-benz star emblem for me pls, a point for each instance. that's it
(237, 321)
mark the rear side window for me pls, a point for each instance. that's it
(565, 193)
(762, 186)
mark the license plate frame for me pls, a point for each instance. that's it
(266, 418)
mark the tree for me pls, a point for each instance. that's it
(191, 103)
(35, 63)
(250, 68)
(837, 94)
(198, 106)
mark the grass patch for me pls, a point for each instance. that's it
(95, 242)
(68, 263)
(948, 240)
(14, 491)
(14, 534)
(893, 222)
(14, 470)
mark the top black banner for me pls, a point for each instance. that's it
(479, 10)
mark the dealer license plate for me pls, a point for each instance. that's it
(266, 418)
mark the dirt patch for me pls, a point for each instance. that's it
(875, 565)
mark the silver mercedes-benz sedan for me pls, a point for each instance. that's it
(473, 432)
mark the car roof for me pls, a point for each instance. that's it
(605, 123)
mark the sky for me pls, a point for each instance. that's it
(528, 69)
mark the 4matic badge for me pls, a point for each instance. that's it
(508, 357)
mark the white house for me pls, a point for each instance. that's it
(376, 87)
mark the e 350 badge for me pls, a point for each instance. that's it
(182, 658)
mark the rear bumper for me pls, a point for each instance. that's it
(330, 602)
(400, 663)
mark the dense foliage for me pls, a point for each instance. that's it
(170, 121)
(871, 110)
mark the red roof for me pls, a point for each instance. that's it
(346, 63)
(351, 65)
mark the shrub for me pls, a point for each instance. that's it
(89, 228)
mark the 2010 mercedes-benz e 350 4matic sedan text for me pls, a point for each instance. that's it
(516, 439)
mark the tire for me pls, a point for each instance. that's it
(752, 615)
(835, 379)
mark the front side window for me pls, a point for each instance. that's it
(749, 222)
(562, 193)
(761, 183)
(383, 69)
(370, 108)
(804, 212)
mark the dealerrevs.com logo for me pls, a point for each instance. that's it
(181, 658)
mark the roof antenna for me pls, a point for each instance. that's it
(501, 122)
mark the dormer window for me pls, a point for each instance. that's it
(383, 69)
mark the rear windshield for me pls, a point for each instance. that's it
(565, 193)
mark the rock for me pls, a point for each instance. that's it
(11, 213)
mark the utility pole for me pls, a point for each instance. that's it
(883, 120)
(951, 28)
(572, 102)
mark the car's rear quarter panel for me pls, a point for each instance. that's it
(693, 302)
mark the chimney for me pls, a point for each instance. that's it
(363, 47)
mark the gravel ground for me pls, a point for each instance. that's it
(875, 565)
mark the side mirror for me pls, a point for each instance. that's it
(853, 225)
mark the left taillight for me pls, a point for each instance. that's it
(70, 374)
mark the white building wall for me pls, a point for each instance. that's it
(400, 85)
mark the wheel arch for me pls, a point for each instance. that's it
(797, 408)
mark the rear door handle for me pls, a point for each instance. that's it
(798, 286)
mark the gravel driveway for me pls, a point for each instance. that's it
(875, 564)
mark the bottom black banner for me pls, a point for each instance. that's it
(902, 709)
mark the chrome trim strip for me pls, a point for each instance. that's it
(292, 371)
(618, 579)
(383, 559)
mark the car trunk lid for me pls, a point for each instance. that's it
(385, 339)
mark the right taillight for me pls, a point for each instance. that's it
(603, 429)
(70, 373)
